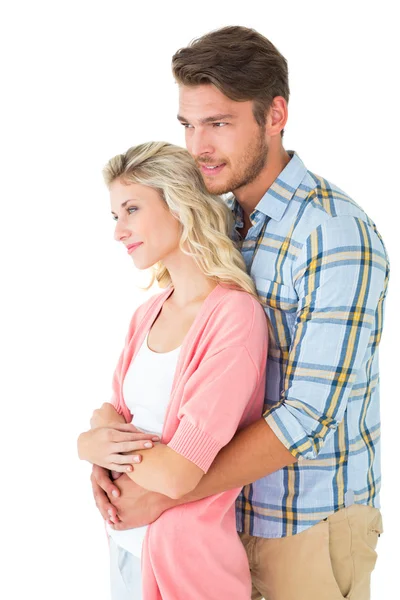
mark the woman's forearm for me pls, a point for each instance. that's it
(165, 471)
(162, 470)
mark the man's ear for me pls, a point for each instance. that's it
(277, 116)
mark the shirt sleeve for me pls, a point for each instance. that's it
(215, 398)
(341, 278)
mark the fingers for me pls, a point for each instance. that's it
(112, 517)
(119, 526)
(121, 468)
(131, 446)
(102, 502)
(123, 464)
(124, 432)
(113, 520)
(101, 477)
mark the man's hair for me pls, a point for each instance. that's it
(238, 61)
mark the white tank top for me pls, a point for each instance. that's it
(146, 389)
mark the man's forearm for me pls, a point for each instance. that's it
(252, 454)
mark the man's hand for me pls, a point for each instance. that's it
(104, 489)
(128, 505)
(136, 506)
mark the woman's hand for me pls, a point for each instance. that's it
(112, 447)
(104, 416)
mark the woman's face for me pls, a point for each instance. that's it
(144, 223)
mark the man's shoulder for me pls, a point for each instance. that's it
(330, 200)
(322, 202)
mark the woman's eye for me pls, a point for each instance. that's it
(131, 209)
(114, 217)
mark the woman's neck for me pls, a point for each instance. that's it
(189, 282)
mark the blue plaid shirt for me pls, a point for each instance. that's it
(321, 271)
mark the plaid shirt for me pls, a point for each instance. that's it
(321, 271)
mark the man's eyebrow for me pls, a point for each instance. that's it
(212, 119)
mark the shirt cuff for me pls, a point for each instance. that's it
(290, 431)
(194, 444)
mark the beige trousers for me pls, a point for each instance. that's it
(329, 561)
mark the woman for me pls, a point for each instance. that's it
(192, 371)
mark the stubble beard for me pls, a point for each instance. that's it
(249, 167)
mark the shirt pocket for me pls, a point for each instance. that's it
(276, 296)
(280, 304)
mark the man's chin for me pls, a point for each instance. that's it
(216, 188)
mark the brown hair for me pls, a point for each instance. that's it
(240, 62)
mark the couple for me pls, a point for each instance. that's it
(284, 450)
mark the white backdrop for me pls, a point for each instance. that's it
(81, 82)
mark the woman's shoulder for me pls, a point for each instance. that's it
(238, 316)
(240, 303)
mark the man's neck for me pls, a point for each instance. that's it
(250, 195)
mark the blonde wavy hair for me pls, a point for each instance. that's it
(205, 219)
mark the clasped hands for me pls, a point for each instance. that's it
(111, 445)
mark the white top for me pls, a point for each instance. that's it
(146, 389)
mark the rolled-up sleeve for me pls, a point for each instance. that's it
(340, 277)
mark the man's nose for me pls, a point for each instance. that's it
(200, 144)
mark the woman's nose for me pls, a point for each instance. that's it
(121, 231)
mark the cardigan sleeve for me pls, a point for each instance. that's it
(216, 397)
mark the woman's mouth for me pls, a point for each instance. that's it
(133, 247)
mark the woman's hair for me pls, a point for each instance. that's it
(205, 219)
(240, 62)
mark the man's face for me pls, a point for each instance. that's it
(223, 137)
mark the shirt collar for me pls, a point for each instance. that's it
(275, 201)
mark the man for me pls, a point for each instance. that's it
(310, 521)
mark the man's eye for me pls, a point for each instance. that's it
(187, 126)
(219, 124)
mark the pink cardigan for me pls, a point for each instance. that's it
(193, 552)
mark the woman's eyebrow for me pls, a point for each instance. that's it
(129, 200)
(126, 202)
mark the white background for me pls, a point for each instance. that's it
(81, 82)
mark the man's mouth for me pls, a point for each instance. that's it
(211, 169)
